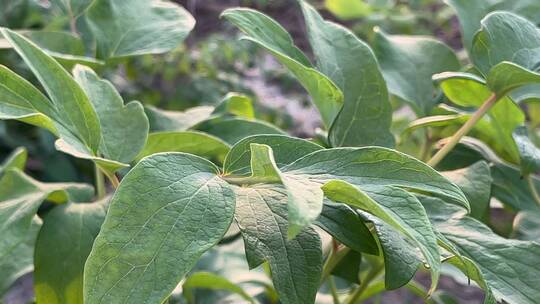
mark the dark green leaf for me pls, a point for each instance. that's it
(527, 226)
(349, 267)
(232, 130)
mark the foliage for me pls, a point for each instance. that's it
(214, 198)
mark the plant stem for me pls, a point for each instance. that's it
(331, 262)
(534, 191)
(100, 183)
(333, 290)
(488, 103)
(372, 274)
(114, 180)
(426, 147)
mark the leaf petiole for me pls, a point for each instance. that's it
(454, 140)
(100, 183)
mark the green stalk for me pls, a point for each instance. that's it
(372, 274)
(333, 290)
(331, 262)
(100, 183)
(454, 140)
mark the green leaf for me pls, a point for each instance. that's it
(296, 264)
(161, 120)
(305, 197)
(348, 9)
(506, 77)
(62, 246)
(268, 34)
(237, 105)
(20, 198)
(475, 181)
(209, 280)
(124, 128)
(16, 160)
(232, 130)
(470, 13)
(408, 62)
(73, 8)
(348, 267)
(509, 269)
(401, 260)
(366, 115)
(196, 143)
(398, 209)
(468, 267)
(528, 152)
(527, 226)
(286, 150)
(347, 227)
(169, 210)
(159, 26)
(69, 106)
(505, 36)
(468, 90)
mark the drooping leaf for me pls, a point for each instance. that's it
(506, 77)
(268, 34)
(62, 246)
(69, 106)
(286, 150)
(124, 128)
(408, 62)
(468, 90)
(209, 280)
(137, 27)
(528, 152)
(232, 130)
(475, 181)
(348, 267)
(295, 264)
(20, 198)
(169, 209)
(16, 160)
(161, 120)
(366, 115)
(470, 13)
(401, 259)
(237, 105)
(196, 143)
(508, 270)
(470, 268)
(346, 226)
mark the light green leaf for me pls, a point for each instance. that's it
(470, 13)
(475, 181)
(20, 198)
(468, 267)
(366, 115)
(73, 8)
(348, 9)
(408, 62)
(124, 128)
(62, 246)
(286, 150)
(236, 104)
(128, 28)
(398, 209)
(209, 280)
(16, 160)
(468, 90)
(161, 120)
(268, 34)
(505, 36)
(509, 269)
(69, 106)
(506, 77)
(305, 197)
(196, 143)
(527, 226)
(295, 264)
(528, 152)
(346, 226)
(232, 130)
(169, 209)
(401, 259)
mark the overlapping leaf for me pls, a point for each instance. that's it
(528, 152)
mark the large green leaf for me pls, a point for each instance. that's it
(366, 115)
(20, 198)
(510, 269)
(69, 106)
(62, 246)
(124, 128)
(268, 34)
(470, 13)
(136, 27)
(346, 226)
(196, 143)
(408, 62)
(232, 130)
(529, 153)
(295, 264)
(169, 209)
(468, 90)
(161, 120)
